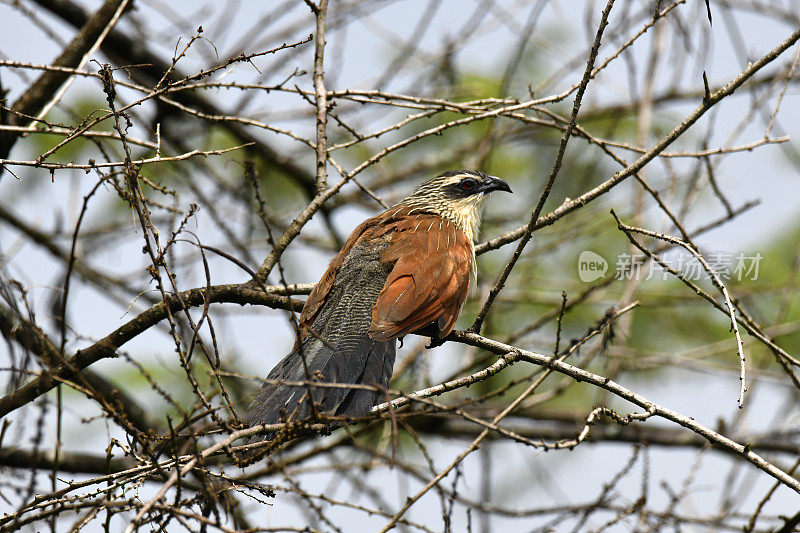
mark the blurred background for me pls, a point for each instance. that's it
(217, 118)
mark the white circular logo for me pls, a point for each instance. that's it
(591, 266)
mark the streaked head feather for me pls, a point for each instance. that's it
(437, 196)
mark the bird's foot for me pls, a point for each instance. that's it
(436, 341)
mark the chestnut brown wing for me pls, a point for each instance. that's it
(430, 279)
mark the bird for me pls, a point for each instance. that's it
(406, 270)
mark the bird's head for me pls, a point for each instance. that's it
(458, 196)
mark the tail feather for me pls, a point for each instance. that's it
(370, 364)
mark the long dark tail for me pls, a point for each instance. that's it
(337, 351)
(369, 364)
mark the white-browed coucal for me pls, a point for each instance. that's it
(404, 270)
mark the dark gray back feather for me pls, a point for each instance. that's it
(338, 350)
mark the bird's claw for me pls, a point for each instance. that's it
(435, 342)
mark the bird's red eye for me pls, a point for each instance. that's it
(468, 184)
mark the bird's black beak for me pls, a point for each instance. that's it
(491, 183)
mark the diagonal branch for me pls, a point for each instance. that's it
(36, 97)
(528, 233)
(106, 347)
(707, 103)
